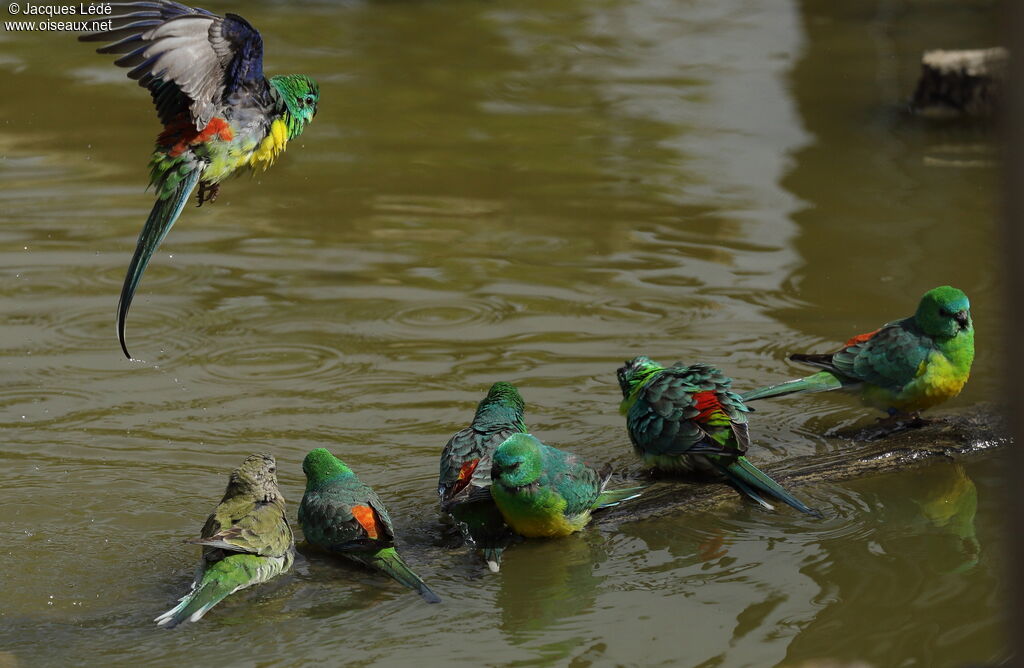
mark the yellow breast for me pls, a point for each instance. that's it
(271, 146)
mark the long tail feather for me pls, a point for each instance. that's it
(822, 381)
(218, 582)
(752, 481)
(161, 219)
(613, 497)
(388, 561)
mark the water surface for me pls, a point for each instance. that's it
(524, 191)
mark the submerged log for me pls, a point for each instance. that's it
(950, 436)
(961, 83)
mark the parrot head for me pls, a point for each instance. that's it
(943, 311)
(301, 95)
(320, 466)
(516, 463)
(257, 476)
(506, 393)
(635, 372)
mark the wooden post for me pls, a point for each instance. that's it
(961, 83)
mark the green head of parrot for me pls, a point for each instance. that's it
(636, 372)
(517, 461)
(943, 312)
(320, 465)
(301, 95)
(502, 392)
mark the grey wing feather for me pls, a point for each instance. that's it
(171, 42)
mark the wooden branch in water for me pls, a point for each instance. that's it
(954, 436)
(961, 83)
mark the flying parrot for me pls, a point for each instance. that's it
(904, 366)
(544, 492)
(341, 515)
(685, 419)
(466, 470)
(245, 541)
(221, 116)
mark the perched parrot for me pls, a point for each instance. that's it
(220, 114)
(543, 491)
(466, 469)
(685, 418)
(341, 515)
(245, 541)
(903, 367)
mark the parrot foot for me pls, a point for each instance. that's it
(207, 193)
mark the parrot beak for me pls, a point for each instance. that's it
(963, 318)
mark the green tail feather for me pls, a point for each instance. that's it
(219, 581)
(387, 560)
(822, 381)
(613, 497)
(161, 218)
(752, 481)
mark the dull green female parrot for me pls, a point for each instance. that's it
(245, 541)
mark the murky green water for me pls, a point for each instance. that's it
(529, 191)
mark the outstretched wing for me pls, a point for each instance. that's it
(664, 418)
(889, 357)
(191, 60)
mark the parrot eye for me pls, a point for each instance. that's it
(309, 99)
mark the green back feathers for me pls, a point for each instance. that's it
(320, 466)
(300, 95)
(943, 312)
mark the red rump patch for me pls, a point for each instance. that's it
(465, 475)
(180, 134)
(367, 519)
(707, 403)
(860, 338)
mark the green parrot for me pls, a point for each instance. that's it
(246, 541)
(221, 116)
(544, 492)
(685, 419)
(903, 367)
(341, 515)
(466, 470)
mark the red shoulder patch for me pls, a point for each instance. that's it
(707, 403)
(367, 519)
(861, 338)
(465, 475)
(180, 134)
